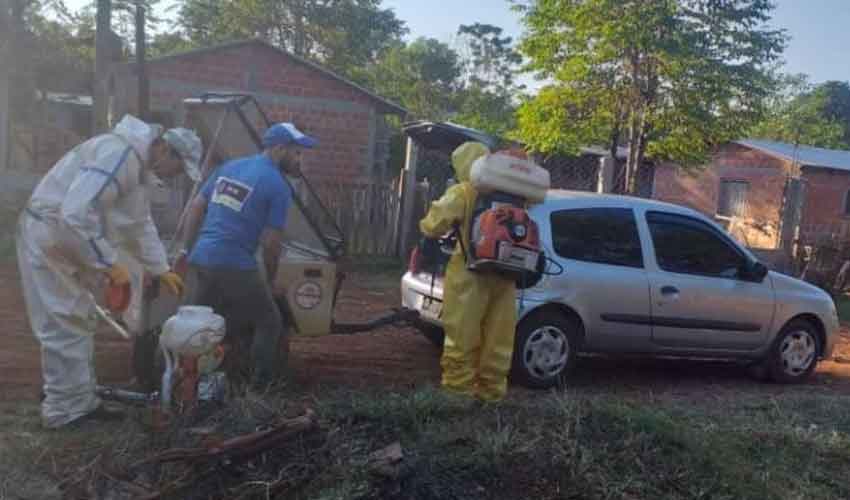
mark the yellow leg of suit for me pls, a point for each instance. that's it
(497, 345)
(479, 317)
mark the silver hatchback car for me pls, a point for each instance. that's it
(639, 276)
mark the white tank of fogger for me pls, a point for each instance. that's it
(194, 330)
(508, 174)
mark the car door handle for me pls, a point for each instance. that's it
(669, 290)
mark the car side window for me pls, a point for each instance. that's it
(686, 245)
(600, 235)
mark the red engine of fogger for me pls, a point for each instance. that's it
(503, 238)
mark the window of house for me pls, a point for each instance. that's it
(732, 199)
(686, 245)
(601, 235)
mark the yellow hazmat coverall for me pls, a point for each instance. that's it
(479, 309)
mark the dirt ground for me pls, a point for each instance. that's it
(403, 359)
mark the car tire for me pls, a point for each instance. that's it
(545, 349)
(794, 355)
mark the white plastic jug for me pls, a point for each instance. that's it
(511, 175)
(194, 330)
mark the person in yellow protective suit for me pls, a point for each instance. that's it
(479, 309)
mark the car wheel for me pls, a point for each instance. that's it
(545, 349)
(795, 353)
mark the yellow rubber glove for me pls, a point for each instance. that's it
(173, 282)
(118, 274)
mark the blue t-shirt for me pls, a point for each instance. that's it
(244, 197)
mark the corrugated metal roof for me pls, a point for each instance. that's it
(804, 155)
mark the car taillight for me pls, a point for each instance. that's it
(414, 264)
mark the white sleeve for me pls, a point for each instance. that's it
(94, 190)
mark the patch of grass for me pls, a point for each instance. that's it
(555, 445)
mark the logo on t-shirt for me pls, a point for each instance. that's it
(231, 193)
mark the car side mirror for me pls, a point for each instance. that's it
(754, 271)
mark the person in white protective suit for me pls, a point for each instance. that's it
(90, 205)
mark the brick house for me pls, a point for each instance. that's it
(348, 120)
(769, 194)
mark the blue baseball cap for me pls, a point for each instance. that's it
(281, 134)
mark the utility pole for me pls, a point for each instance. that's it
(144, 88)
(102, 59)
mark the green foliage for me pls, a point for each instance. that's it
(490, 60)
(421, 76)
(54, 48)
(489, 93)
(672, 77)
(485, 110)
(164, 44)
(808, 115)
(341, 34)
(563, 119)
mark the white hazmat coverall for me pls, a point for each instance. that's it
(92, 203)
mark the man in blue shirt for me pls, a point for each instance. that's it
(241, 206)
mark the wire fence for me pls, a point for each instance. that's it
(585, 172)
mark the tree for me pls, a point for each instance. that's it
(164, 44)
(52, 49)
(341, 34)
(808, 115)
(489, 59)
(675, 77)
(489, 64)
(421, 76)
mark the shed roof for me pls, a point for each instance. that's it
(385, 103)
(804, 155)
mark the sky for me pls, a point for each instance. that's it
(819, 29)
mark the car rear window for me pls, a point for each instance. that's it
(601, 235)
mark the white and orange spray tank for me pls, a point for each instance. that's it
(191, 344)
(503, 238)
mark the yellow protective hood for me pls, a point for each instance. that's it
(464, 156)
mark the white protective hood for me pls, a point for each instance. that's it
(139, 134)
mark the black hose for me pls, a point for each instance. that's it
(552, 261)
